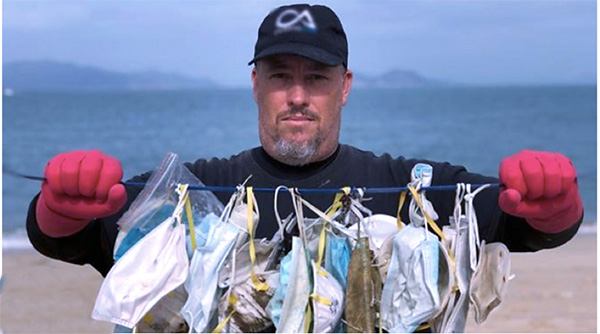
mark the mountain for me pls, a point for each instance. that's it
(59, 76)
(395, 79)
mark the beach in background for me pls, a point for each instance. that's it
(554, 291)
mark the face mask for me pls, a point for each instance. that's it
(421, 176)
(360, 293)
(454, 316)
(246, 307)
(490, 280)
(337, 258)
(204, 273)
(328, 301)
(202, 230)
(410, 293)
(165, 316)
(154, 266)
(380, 229)
(288, 306)
(243, 308)
(237, 220)
(460, 241)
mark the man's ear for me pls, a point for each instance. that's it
(348, 76)
(255, 84)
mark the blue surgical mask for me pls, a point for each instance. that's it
(337, 257)
(288, 306)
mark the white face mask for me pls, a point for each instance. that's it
(204, 274)
(490, 280)
(328, 301)
(462, 239)
(154, 266)
(410, 293)
(454, 316)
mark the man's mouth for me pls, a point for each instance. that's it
(297, 118)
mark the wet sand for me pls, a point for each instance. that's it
(553, 291)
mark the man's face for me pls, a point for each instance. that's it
(300, 104)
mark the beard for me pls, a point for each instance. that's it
(294, 152)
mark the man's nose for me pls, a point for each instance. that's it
(298, 95)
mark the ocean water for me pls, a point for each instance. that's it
(471, 126)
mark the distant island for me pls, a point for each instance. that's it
(61, 76)
(395, 79)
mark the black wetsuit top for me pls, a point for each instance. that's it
(348, 166)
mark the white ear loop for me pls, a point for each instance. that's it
(474, 241)
(458, 199)
(299, 213)
(275, 206)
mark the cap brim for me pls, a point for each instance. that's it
(299, 49)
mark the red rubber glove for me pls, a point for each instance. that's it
(542, 188)
(79, 186)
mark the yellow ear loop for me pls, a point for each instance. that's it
(183, 191)
(190, 217)
(401, 201)
(221, 325)
(423, 326)
(433, 225)
(307, 319)
(258, 285)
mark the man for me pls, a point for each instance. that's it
(301, 82)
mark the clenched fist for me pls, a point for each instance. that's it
(79, 186)
(542, 188)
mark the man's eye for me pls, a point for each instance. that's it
(317, 77)
(278, 76)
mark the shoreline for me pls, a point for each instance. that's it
(554, 291)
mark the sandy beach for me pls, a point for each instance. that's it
(553, 291)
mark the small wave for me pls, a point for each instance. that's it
(16, 240)
(588, 229)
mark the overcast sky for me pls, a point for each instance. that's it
(476, 42)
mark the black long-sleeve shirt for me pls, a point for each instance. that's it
(349, 166)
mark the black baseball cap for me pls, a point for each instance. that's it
(314, 32)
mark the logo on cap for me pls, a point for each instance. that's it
(292, 20)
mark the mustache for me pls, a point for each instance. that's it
(295, 110)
